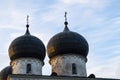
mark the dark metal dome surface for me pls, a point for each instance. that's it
(67, 42)
(5, 72)
(27, 46)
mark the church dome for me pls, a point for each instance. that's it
(5, 72)
(67, 42)
(27, 46)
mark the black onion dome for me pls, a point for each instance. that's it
(67, 42)
(27, 46)
(5, 72)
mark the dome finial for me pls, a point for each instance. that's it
(66, 23)
(27, 26)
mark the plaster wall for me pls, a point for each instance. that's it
(19, 66)
(62, 65)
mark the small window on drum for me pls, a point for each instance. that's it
(74, 70)
(28, 70)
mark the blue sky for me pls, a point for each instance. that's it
(97, 20)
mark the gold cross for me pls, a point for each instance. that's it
(27, 19)
(65, 16)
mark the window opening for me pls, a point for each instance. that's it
(28, 68)
(74, 71)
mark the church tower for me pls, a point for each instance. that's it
(68, 52)
(27, 54)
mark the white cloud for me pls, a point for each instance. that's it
(94, 4)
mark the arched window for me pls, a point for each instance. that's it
(28, 70)
(74, 71)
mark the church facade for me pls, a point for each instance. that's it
(67, 51)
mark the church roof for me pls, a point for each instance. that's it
(43, 77)
(5, 72)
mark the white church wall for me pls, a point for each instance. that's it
(19, 66)
(62, 65)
